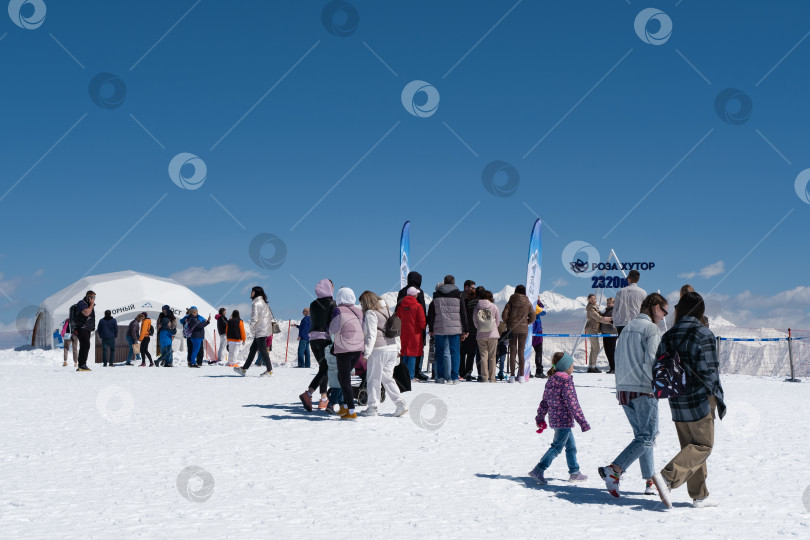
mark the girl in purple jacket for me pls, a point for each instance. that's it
(561, 404)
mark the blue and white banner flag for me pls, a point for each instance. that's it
(533, 284)
(404, 254)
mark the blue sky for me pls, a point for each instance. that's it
(282, 111)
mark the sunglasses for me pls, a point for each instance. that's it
(664, 311)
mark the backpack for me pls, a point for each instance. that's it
(72, 318)
(486, 322)
(669, 376)
(151, 330)
(393, 326)
(188, 328)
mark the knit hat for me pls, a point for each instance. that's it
(412, 291)
(145, 314)
(564, 363)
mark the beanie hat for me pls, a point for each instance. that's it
(412, 291)
(564, 363)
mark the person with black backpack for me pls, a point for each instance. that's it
(635, 355)
(147, 331)
(83, 317)
(381, 329)
(693, 411)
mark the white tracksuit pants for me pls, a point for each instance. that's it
(223, 345)
(234, 348)
(380, 370)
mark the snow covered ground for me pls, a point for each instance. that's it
(107, 454)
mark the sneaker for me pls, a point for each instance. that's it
(511, 379)
(83, 368)
(440, 380)
(342, 410)
(541, 375)
(268, 373)
(104, 365)
(129, 364)
(594, 370)
(322, 404)
(537, 474)
(611, 478)
(519, 379)
(194, 365)
(649, 489)
(371, 411)
(401, 409)
(611, 371)
(143, 364)
(64, 364)
(306, 399)
(349, 416)
(500, 376)
(704, 503)
(240, 371)
(663, 489)
(456, 381)
(469, 378)
(577, 477)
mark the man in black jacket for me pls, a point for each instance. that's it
(84, 322)
(415, 280)
(320, 313)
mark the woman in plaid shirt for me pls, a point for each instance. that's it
(693, 412)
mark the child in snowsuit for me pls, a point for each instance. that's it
(561, 404)
(503, 347)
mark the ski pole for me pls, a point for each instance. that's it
(287, 349)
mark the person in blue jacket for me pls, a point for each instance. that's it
(194, 327)
(166, 329)
(107, 332)
(537, 338)
(303, 339)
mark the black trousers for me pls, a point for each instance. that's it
(469, 356)
(84, 346)
(145, 349)
(609, 344)
(259, 345)
(321, 379)
(619, 330)
(538, 357)
(345, 363)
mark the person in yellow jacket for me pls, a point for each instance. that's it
(146, 332)
(235, 332)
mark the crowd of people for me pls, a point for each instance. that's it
(465, 330)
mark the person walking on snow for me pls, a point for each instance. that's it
(694, 412)
(69, 341)
(261, 326)
(145, 337)
(133, 339)
(637, 348)
(561, 404)
(235, 333)
(321, 311)
(222, 331)
(347, 329)
(381, 353)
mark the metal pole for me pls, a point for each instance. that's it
(718, 348)
(790, 356)
(287, 348)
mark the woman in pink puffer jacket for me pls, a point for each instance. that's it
(349, 341)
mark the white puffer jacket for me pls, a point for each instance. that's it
(261, 318)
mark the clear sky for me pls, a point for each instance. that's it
(622, 136)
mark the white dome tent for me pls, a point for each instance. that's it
(125, 294)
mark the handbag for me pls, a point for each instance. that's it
(276, 328)
(136, 348)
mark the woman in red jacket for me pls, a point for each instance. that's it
(412, 334)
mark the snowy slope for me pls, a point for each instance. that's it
(99, 455)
